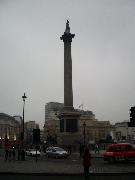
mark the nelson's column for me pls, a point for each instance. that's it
(68, 117)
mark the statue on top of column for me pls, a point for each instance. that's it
(67, 30)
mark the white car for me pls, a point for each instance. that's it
(56, 152)
(32, 152)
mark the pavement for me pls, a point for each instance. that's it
(65, 177)
(72, 166)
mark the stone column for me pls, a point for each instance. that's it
(68, 92)
(69, 134)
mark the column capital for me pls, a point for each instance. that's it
(67, 36)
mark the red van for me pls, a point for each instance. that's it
(118, 152)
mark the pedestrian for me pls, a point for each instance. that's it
(10, 152)
(96, 148)
(19, 153)
(70, 149)
(86, 162)
(6, 150)
(13, 153)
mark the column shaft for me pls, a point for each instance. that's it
(68, 92)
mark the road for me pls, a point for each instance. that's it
(42, 177)
(98, 164)
(71, 165)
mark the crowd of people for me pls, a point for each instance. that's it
(9, 151)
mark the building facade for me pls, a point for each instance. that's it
(124, 133)
(92, 132)
(51, 126)
(9, 127)
(51, 108)
(28, 131)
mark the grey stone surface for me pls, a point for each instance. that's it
(73, 165)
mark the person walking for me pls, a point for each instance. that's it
(96, 148)
(86, 162)
(19, 153)
(6, 150)
(70, 149)
(10, 152)
(13, 153)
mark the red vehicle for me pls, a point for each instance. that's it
(118, 152)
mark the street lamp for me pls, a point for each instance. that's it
(23, 97)
(84, 134)
(22, 135)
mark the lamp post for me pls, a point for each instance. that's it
(22, 135)
(23, 97)
(84, 134)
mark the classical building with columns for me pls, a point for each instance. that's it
(95, 130)
(9, 127)
(90, 129)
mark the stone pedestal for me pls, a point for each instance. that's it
(66, 139)
(69, 127)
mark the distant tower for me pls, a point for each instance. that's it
(68, 92)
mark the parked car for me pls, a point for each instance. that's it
(56, 152)
(119, 152)
(32, 152)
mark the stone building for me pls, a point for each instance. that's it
(51, 131)
(51, 126)
(52, 107)
(94, 130)
(9, 127)
(124, 133)
(42, 138)
(28, 131)
(18, 119)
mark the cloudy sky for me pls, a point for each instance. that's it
(103, 55)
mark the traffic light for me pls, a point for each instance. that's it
(132, 117)
(36, 136)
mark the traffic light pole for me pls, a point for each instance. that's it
(132, 117)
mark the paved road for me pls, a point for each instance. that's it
(72, 165)
(42, 177)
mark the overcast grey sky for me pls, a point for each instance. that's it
(103, 55)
